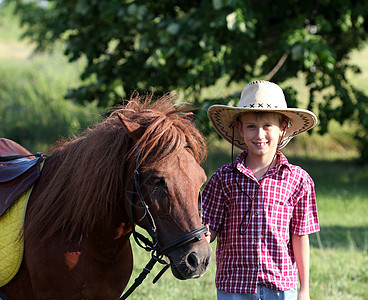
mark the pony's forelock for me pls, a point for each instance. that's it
(167, 129)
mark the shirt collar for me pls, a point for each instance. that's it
(282, 162)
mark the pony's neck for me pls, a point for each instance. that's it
(108, 242)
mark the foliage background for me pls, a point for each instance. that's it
(189, 45)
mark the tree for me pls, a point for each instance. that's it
(187, 45)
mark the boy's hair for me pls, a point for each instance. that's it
(262, 114)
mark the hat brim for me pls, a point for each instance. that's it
(223, 117)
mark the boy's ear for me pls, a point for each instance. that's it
(238, 124)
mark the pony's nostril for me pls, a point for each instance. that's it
(192, 261)
(207, 262)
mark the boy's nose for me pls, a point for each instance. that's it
(261, 133)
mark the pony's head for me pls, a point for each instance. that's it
(166, 155)
(87, 184)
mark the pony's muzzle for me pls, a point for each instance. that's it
(192, 265)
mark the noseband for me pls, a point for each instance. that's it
(157, 252)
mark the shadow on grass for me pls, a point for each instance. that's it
(340, 175)
(341, 237)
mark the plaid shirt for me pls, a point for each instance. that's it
(285, 204)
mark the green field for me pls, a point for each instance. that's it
(339, 253)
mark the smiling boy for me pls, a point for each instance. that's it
(261, 208)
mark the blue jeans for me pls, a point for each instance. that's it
(263, 293)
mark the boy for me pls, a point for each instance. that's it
(261, 208)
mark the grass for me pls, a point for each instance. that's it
(339, 260)
(168, 287)
(33, 110)
(33, 86)
(339, 253)
(339, 274)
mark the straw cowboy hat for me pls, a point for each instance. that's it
(260, 96)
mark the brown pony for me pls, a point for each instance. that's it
(78, 220)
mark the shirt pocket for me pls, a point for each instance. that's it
(281, 214)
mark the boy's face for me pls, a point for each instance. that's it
(261, 132)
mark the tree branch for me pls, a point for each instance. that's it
(278, 66)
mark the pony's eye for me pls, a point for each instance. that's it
(157, 181)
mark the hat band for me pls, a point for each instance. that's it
(257, 105)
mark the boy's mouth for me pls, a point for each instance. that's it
(260, 144)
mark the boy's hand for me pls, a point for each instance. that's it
(210, 235)
(303, 295)
(207, 235)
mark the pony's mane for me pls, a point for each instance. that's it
(87, 173)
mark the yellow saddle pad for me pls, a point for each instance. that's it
(11, 240)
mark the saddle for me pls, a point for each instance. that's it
(17, 177)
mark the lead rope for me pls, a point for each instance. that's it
(3, 296)
(142, 276)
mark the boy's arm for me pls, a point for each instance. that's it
(302, 257)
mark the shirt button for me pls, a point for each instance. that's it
(256, 214)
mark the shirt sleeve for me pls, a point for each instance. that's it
(213, 203)
(305, 217)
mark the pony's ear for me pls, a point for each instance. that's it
(134, 129)
(189, 116)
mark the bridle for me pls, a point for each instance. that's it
(153, 246)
